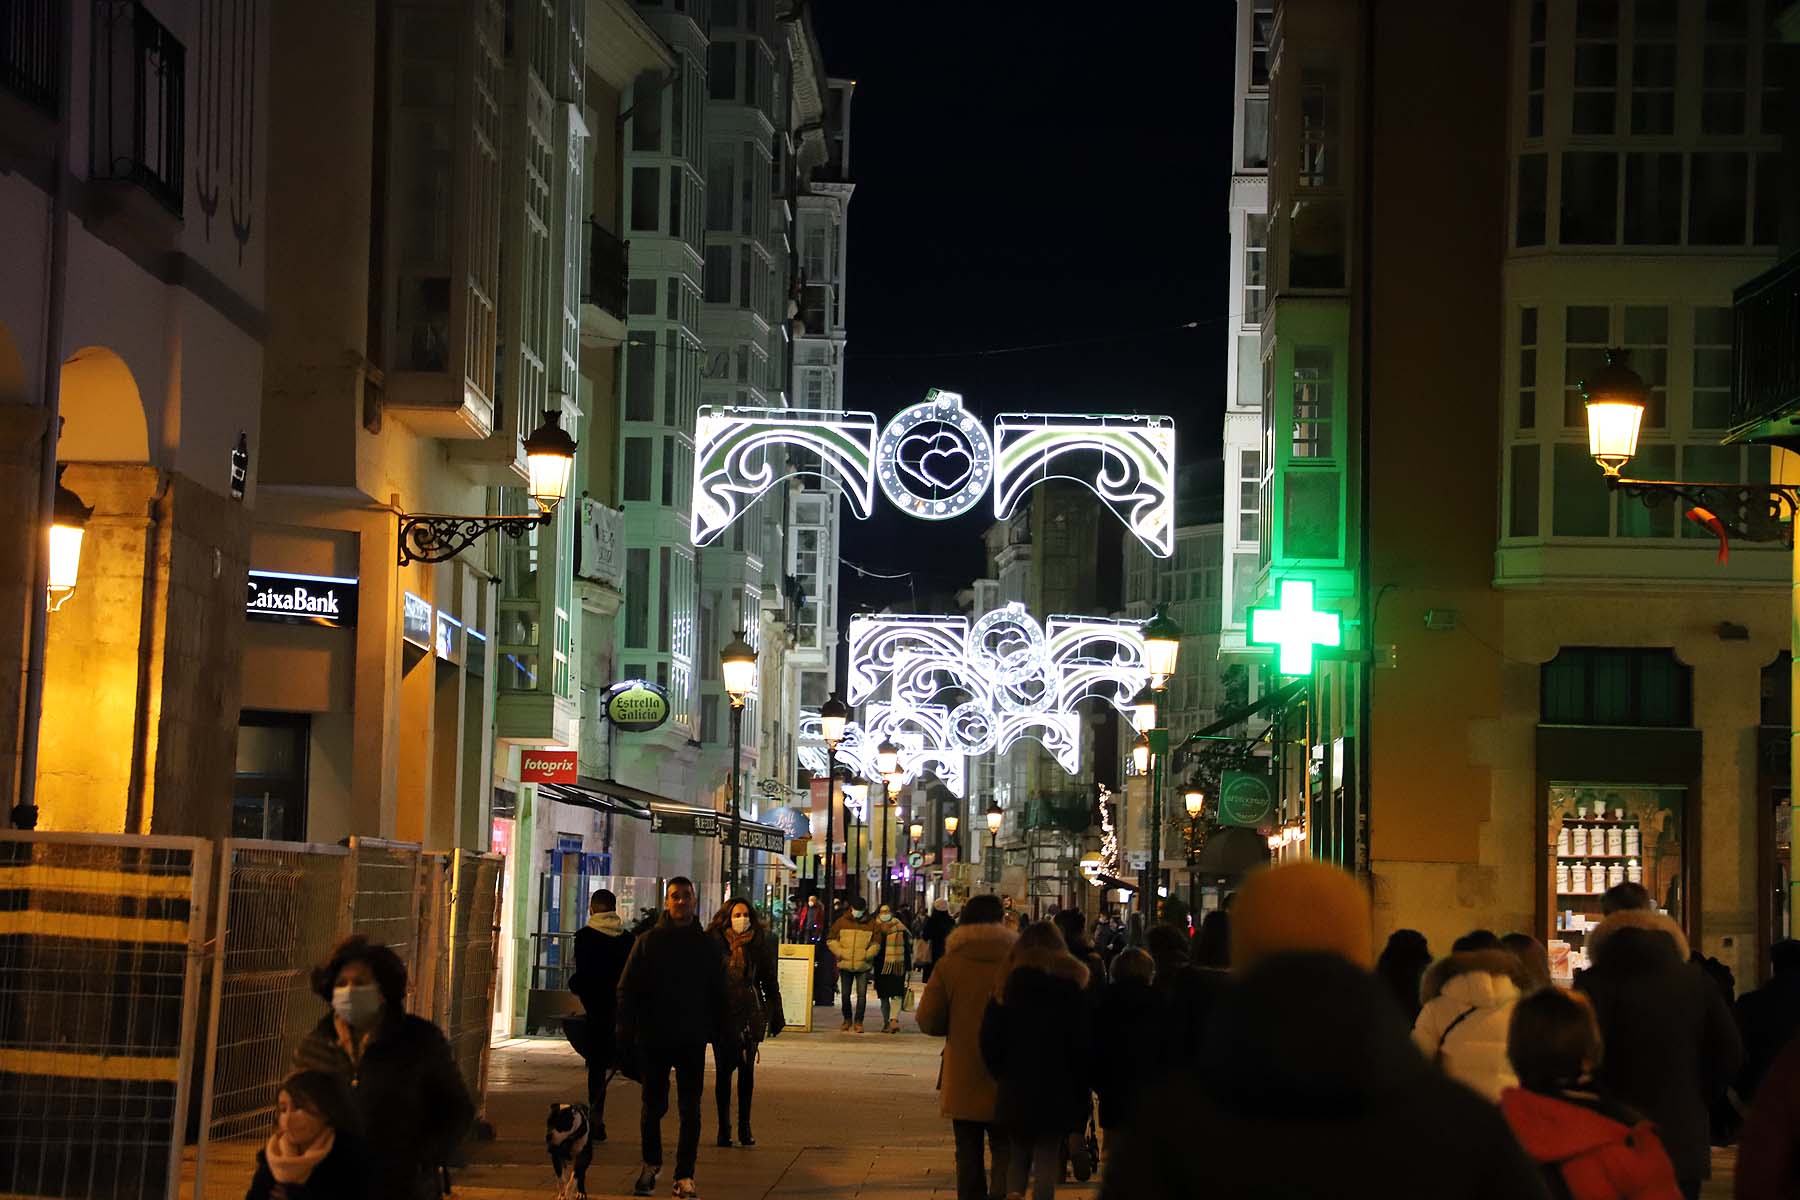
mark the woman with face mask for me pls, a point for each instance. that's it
(405, 1087)
(754, 998)
(891, 968)
(316, 1150)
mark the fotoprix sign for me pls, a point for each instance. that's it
(304, 599)
(636, 705)
(546, 766)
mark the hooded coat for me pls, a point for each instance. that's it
(1671, 1045)
(1592, 1150)
(1768, 1163)
(855, 944)
(938, 928)
(954, 1003)
(1309, 1086)
(1035, 1043)
(601, 948)
(1468, 1004)
(1126, 1024)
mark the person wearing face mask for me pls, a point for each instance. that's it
(753, 998)
(315, 1150)
(405, 1087)
(891, 969)
(855, 942)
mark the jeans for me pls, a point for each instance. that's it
(890, 1008)
(973, 1181)
(1033, 1153)
(857, 981)
(689, 1065)
(742, 1061)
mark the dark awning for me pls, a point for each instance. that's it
(1230, 851)
(1278, 698)
(583, 796)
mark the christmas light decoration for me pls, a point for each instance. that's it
(935, 460)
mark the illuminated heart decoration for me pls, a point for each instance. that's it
(938, 460)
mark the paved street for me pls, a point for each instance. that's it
(836, 1115)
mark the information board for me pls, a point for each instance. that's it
(794, 972)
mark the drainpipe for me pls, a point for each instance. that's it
(155, 601)
(25, 813)
(1365, 673)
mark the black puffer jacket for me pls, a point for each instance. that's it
(1035, 1042)
(601, 948)
(409, 1095)
(1309, 1087)
(672, 992)
(1671, 1045)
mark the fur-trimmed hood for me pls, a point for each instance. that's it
(1055, 964)
(1646, 919)
(983, 943)
(1471, 962)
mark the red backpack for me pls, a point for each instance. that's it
(1587, 1154)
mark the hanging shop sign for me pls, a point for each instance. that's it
(636, 705)
(602, 543)
(1295, 628)
(302, 599)
(689, 822)
(1246, 799)
(546, 766)
(935, 460)
(754, 837)
(415, 620)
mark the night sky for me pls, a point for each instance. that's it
(1024, 178)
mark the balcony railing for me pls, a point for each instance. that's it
(139, 95)
(816, 305)
(29, 32)
(608, 270)
(1765, 355)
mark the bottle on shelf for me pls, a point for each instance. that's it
(1562, 840)
(1634, 872)
(1634, 841)
(1562, 879)
(1615, 874)
(1578, 879)
(1578, 841)
(1615, 840)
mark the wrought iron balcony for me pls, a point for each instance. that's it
(139, 101)
(609, 265)
(29, 33)
(1765, 357)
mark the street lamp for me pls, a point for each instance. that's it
(1143, 709)
(737, 662)
(856, 799)
(1162, 643)
(1162, 647)
(834, 715)
(1140, 753)
(887, 758)
(950, 823)
(893, 780)
(68, 522)
(1193, 800)
(915, 831)
(1616, 397)
(995, 815)
(549, 464)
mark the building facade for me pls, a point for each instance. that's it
(1529, 662)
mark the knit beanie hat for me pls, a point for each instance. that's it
(1307, 906)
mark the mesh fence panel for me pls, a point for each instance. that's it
(474, 962)
(284, 907)
(99, 996)
(385, 906)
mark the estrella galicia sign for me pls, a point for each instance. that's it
(636, 705)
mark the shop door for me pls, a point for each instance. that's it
(269, 798)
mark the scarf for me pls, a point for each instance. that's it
(288, 1165)
(738, 942)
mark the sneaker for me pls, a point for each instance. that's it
(856, 1028)
(844, 1028)
(685, 1190)
(646, 1181)
(894, 1025)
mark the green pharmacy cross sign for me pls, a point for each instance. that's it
(1295, 627)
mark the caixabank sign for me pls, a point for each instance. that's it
(305, 599)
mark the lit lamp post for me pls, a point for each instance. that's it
(856, 800)
(1162, 646)
(893, 781)
(549, 462)
(994, 816)
(1616, 397)
(834, 714)
(737, 661)
(68, 522)
(61, 566)
(1193, 800)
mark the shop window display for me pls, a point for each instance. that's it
(1600, 836)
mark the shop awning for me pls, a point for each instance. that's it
(1279, 698)
(1231, 851)
(584, 796)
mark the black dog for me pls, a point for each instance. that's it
(566, 1136)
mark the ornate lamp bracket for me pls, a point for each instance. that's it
(435, 538)
(1754, 512)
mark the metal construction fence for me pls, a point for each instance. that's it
(110, 985)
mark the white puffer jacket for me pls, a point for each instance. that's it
(1482, 984)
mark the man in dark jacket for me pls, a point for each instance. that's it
(1768, 1017)
(1185, 992)
(1671, 1046)
(672, 1002)
(936, 931)
(601, 947)
(1768, 1161)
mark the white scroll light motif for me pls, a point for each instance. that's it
(1006, 678)
(935, 460)
(1136, 478)
(856, 752)
(732, 467)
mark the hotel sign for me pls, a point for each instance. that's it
(326, 600)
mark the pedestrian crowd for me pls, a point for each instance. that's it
(1266, 1051)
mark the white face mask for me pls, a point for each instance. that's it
(858, 913)
(887, 916)
(740, 923)
(356, 1006)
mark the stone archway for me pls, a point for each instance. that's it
(102, 410)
